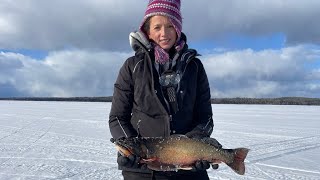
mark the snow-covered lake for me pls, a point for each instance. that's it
(70, 140)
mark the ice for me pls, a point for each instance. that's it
(70, 140)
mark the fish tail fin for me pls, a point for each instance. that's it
(238, 162)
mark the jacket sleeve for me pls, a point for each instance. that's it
(122, 103)
(203, 122)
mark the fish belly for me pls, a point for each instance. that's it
(181, 152)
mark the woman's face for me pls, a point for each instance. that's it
(162, 32)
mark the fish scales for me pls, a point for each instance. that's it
(180, 152)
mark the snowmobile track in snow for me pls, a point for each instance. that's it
(273, 150)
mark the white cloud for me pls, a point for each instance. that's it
(58, 24)
(98, 30)
(266, 73)
(105, 24)
(243, 73)
(295, 18)
(62, 73)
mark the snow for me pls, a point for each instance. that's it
(70, 140)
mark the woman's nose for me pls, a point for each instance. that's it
(164, 31)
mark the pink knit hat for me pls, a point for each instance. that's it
(169, 8)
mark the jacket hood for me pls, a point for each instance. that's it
(139, 41)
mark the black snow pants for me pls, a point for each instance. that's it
(188, 175)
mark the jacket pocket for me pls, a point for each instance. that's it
(148, 126)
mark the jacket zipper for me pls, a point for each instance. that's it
(167, 128)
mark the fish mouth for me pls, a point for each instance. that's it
(123, 149)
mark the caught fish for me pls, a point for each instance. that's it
(179, 152)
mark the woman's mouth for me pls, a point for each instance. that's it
(165, 41)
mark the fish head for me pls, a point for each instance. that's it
(128, 146)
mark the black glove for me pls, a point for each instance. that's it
(215, 166)
(202, 137)
(201, 165)
(131, 161)
(212, 141)
(196, 134)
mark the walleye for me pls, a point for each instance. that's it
(179, 152)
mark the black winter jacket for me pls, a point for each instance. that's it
(139, 106)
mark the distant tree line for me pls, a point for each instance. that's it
(273, 101)
(76, 99)
(238, 100)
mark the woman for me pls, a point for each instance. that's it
(162, 90)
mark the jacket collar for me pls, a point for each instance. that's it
(139, 41)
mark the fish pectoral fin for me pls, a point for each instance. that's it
(148, 160)
(187, 168)
(157, 166)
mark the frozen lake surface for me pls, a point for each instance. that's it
(70, 140)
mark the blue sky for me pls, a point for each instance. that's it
(232, 41)
(33, 53)
(75, 48)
